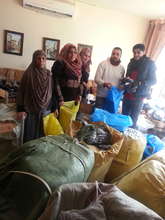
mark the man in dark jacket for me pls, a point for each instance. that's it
(141, 70)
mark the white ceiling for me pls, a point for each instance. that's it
(146, 8)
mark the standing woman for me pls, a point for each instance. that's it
(85, 55)
(67, 74)
(35, 97)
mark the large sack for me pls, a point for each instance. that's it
(56, 159)
(94, 201)
(103, 158)
(130, 154)
(68, 113)
(146, 183)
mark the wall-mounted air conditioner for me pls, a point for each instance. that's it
(53, 7)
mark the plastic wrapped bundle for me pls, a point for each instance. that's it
(95, 134)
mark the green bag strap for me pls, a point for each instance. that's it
(35, 177)
(41, 204)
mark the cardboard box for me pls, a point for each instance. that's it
(86, 108)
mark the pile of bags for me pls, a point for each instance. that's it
(78, 152)
(10, 86)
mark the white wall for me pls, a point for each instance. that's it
(102, 28)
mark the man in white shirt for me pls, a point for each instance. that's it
(108, 74)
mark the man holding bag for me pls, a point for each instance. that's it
(108, 74)
(141, 70)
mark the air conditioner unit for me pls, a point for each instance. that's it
(54, 7)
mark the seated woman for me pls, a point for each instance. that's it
(67, 74)
(85, 55)
(35, 97)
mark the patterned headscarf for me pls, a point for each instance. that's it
(74, 66)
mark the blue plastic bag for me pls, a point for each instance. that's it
(113, 100)
(117, 121)
(154, 144)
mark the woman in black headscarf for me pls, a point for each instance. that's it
(35, 97)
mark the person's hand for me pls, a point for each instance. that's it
(107, 85)
(121, 87)
(21, 115)
(85, 84)
(56, 113)
(128, 78)
(61, 103)
(77, 100)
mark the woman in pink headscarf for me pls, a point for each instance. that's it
(67, 74)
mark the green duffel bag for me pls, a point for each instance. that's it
(29, 174)
(56, 159)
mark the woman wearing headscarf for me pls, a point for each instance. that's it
(85, 55)
(67, 74)
(35, 97)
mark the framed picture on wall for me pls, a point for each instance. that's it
(51, 48)
(81, 46)
(13, 42)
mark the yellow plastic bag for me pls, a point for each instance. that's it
(52, 125)
(68, 113)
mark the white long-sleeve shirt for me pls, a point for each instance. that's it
(106, 72)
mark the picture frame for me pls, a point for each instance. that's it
(13, 42)
(51, 47)
(81, 46)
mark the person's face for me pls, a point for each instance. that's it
(72, 55)
(116, 55)
(137, 53)
(85, 57)
(40, 61)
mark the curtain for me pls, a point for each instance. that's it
(155, 38)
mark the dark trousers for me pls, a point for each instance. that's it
(33, 128)
(132, 108)
(100, 102)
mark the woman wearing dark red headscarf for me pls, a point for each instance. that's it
(67, 74)
(35, 97)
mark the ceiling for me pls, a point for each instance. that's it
(146, 8)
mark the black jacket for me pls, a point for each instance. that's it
(146, 75)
